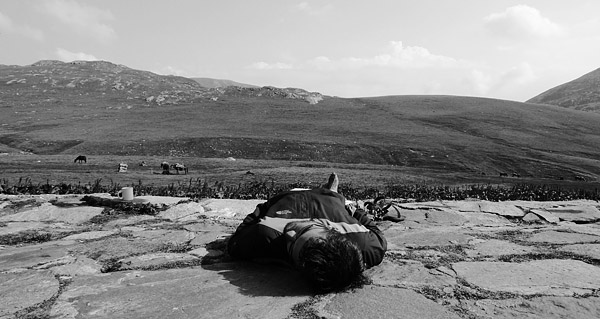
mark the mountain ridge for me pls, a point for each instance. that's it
(582, 93)
(125, 86)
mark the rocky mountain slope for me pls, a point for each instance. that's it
(107, 84)
(580, 94)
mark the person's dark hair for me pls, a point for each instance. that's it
(333, 263)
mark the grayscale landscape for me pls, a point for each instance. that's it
(479, 120)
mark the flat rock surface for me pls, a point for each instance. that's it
(546, 277)
(496, 248)
(398, 304)
(448, 259)
(537, 308)
(20, 290)
(561, 237)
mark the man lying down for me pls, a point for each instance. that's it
(330, 243)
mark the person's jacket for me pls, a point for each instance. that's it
(260, 235)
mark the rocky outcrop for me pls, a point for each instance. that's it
(120, 86)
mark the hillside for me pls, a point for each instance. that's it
(580, 94)
(106, 85)
(219, 83)
(104, 109)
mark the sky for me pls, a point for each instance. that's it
(503, 49)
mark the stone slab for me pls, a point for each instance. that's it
(552, 277)
(408, 274)
(501, 208)
(384, 302)
(155, 260)
(20, 290)
(32, 255)
(81, 266)
(50, 213)
(588, 250)
(229, 208)
(537, 308)
(559, 237)
(166, 236)
(496, 248)
(428, 238)
(230, 290)
(183, 212)
(463, 206)
(582, 214)
(546, 215)
(90, 235)
(11, 228)
(484, 219)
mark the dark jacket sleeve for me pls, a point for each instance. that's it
(374, 245)
(253, 240)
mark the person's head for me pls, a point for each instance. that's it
(328, 260)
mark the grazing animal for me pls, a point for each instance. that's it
(515, 175)
(165, 167)
(80, 158)
(122, 168)
(143, 163)
(180, 167)
(503, 174)
(249, 173)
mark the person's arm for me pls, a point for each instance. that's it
(376, 243)
(258, 237)
(239, 244)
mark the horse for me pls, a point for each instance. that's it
(165, 167)
(80, 158)
(180, 167)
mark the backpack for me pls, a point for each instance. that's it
(384, 209)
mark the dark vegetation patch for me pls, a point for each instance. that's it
(114, 209)
(514, 236)
(306, 309)
(27, 237)
(16, 205)
(198, 188)
(519, 258)
(436, 256)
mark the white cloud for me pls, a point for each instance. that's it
(270, 66)
(395, 56)
(522, 21)
(517, 76)
(8, 27)
(68, 56)
(83, 18)
(312, 10)
(171, 70)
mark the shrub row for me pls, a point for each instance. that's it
(265, 189)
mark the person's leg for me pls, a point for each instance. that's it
(333, 182)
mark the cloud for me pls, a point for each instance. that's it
(83, 18)
(396, 55)
(312, 10)
(8, 27)
(270, 66)
(522, 21)
(68, 56)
